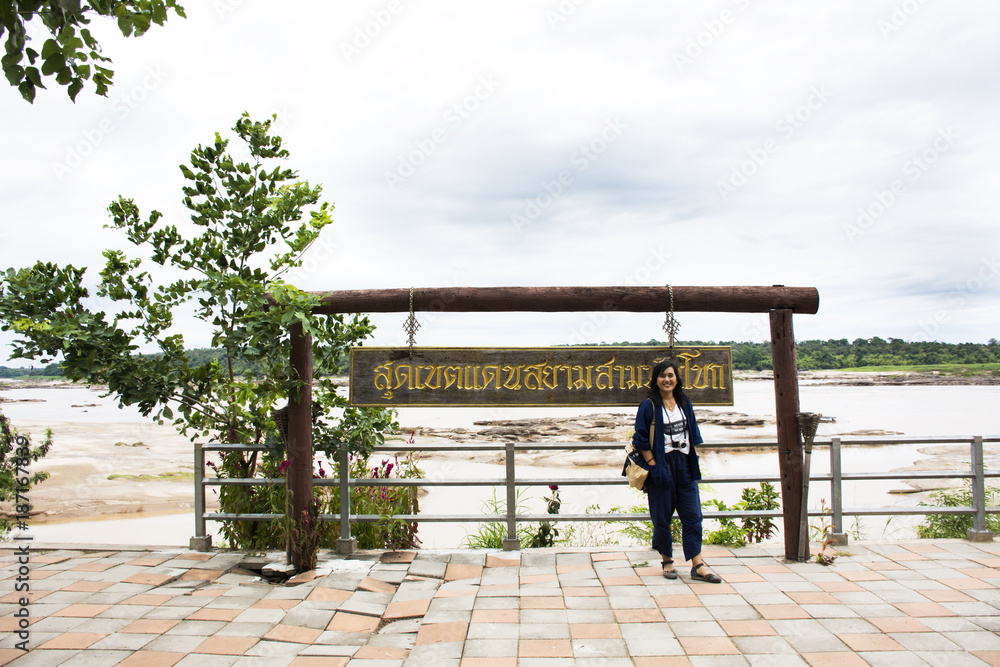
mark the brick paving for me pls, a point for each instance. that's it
(899, 604)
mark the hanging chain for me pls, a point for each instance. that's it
(411, 325)
(670, 325)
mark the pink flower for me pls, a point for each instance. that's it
(388, 470)
(283, 468)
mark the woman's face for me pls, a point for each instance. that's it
(666, 381)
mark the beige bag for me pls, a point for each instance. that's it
(635, 465)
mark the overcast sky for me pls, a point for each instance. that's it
(848, 146)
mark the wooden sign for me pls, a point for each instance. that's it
(592, 375)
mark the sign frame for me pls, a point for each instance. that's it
(362, 361)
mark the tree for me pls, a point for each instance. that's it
(16, 477)
(246, 230)
(72, 55)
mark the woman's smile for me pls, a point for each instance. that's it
(667, 381)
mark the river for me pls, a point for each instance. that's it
(944, 410)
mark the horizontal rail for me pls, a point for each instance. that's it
(562, 445)
(978, 475)
(531, 518)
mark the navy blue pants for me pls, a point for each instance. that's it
(669, 489)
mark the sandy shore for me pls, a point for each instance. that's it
(115, 468)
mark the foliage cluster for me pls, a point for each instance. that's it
(70, 53)
(943, 526)
(491, 534)
(251, 220)
(16, 478)
(873, 353)
(835, 354)
(308, 532)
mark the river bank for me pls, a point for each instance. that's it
(110, 462)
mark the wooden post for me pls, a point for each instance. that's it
(300, 454)
(786, 399)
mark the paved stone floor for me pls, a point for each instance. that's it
(898, 604)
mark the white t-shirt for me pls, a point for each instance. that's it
(675, 431)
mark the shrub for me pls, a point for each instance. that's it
(16, 478)
(939, 526)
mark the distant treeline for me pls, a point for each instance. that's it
(833, 354)
(198, 357)
(810, 354)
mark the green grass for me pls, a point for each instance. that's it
(964, 369)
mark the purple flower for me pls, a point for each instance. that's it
(388, 470)
(553, 487)
(283, 468)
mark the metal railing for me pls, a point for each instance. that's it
(836, 477)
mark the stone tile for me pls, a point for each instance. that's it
(834, 659)
(595, 631)
(124, 642)
(752, 628)
(406, 609)
(638, 616)
(196, 628)
(183, 644)
(974, 641)
(697, 629)
(151, 659)
(149, 626)
(544, 648)
(922, 609)
(459, 571)
(924, 641)
(497, 648)
(328, 595)
(708, 646)
(773, 612)
(442, 633)
(657, 647)
(346, 622)
(225, 645)
(598, 649)
(495, 616)
(493, 631)
(543, 603)
(213, 614)
(72, 640)
(82, 610)
(869, 642)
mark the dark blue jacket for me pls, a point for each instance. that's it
(647, 414)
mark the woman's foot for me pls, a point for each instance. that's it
(668, 569)
(702, 573)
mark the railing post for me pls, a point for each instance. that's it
(201, 540)
(978, 532)
(345, 543)
(837, 534)
(511, 542)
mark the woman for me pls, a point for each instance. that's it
(673, 468)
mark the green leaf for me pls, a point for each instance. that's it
(31, 73)
(27, 90)
(74, 88)
(50, 48)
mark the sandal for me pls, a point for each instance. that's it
(672, 572)
(711, 577)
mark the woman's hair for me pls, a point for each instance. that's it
(654, 390)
